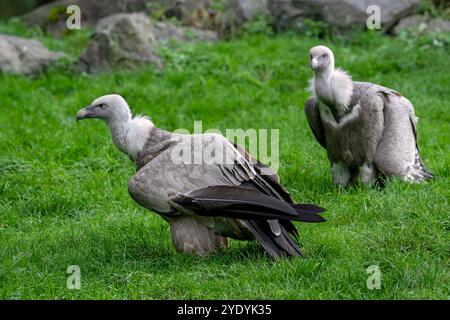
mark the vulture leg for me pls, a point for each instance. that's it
(341, 174)
(222, 242)
(354, 173)
(369, 174)
(190, 236)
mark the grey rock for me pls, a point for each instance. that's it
(424, 23)
(409, 22)
(128, 40)
(438, 25)
(24, 56)
(343, 14)
(237, 12)
(165, 32)
(286, 13)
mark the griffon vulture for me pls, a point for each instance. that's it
(204, 199)
(361, 125)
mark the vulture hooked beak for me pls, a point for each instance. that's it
(86, 113)
(314, 63)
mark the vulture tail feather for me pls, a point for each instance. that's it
(307, 208)
(290, 228)
(276, 246)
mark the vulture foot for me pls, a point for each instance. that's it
(369, 174)
(341, 174)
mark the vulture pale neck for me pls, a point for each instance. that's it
(118, 127)
(322, 85)
(131, 134)
(326, 92)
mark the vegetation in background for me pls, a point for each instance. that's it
(11, 8)
(436, 8)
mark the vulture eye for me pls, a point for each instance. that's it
(324, 55)
(102, 106)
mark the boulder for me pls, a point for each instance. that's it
(422, 23)
(343, 14)
(52, 17)
(237, 12)
(438, 25)
(24, 56)
(128, 40)
(286, 14)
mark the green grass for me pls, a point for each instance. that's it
(63, 185)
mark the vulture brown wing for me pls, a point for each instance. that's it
(314, 121)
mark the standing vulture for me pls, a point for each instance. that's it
(361, 124)
(204, 199)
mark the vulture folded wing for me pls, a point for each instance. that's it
(397, 153)
(266, 180)
(315, 123)
(370, 121)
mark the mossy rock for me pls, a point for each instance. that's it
(56, 13)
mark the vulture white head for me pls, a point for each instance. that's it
(332, 86)
(109, 108)
(321, 58)
(129, 134)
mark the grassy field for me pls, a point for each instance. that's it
(63, 185)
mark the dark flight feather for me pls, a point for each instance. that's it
(244, 203)
(276, 247)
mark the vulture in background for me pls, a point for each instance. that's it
(368, 130)
(204, 199)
